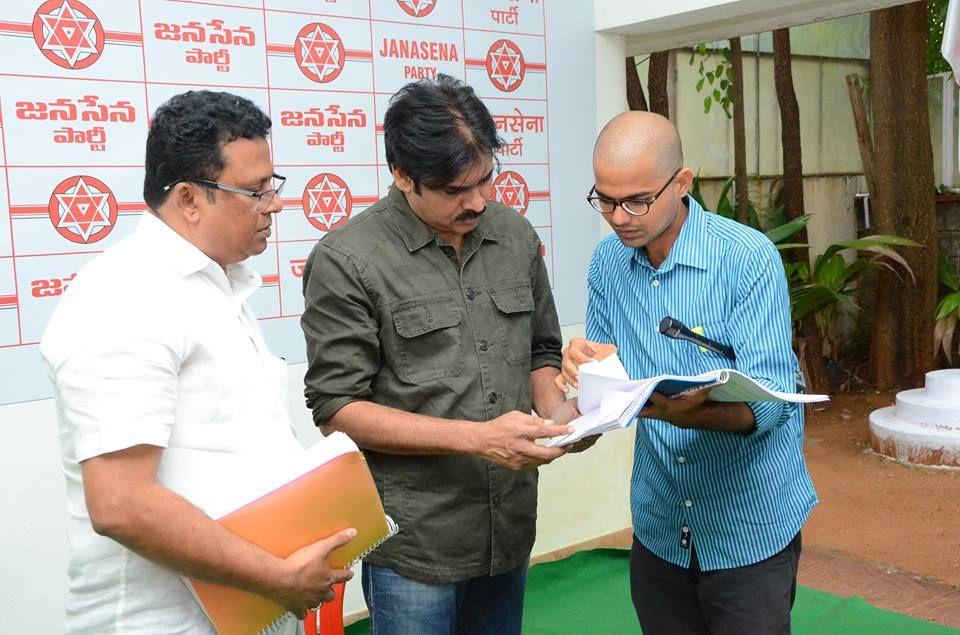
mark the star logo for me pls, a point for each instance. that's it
(505, 65)
(511, 190)
(417, 8)
(68, 33)
(83, 209)
(327, 201)
(319, 52)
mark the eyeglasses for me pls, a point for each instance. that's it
(264, 198)
(633, 204)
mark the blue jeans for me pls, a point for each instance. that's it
(402, 606)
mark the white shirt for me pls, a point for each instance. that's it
(154, 344)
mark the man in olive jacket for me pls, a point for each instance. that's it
(431, 336)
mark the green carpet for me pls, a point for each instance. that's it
(589, 593)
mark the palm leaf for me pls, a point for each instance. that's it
(892, 255)
(947, 305)
(862, 244)
(791, 228)
(943, 335)
(947, 272)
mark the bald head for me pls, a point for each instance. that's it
(636, 134)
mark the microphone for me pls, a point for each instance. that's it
(676, 330)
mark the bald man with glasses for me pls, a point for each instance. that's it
(719, 491)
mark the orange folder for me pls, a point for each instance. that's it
(335, 495)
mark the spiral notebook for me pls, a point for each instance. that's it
(330, 490)
(609, 400)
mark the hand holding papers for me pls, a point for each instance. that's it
(609, 399)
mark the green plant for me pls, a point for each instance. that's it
(820, 290)
(936, 19)
(831, 282)
(716, 75)
(948, 308)
(724, 206)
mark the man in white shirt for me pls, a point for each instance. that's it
(168, 400)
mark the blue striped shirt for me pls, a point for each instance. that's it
(742, 497)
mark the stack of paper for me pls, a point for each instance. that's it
(610, 400)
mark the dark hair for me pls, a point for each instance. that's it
(187, 136)
(436, 129)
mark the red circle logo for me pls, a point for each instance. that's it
(327, 201)
(511, 190)
(83, 209)
(68, 33)
(418, 8)
(505, 66)
(319, 52)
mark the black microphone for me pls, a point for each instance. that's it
(675, 329)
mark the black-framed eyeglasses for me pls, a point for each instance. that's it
(633, 204)
(264, 197)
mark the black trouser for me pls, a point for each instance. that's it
(755, 599)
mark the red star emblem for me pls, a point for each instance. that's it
(327, 201)
(417, 8)
(68, 33)
(319, 52)
(505, 65)
(511, 190)
(83, 209)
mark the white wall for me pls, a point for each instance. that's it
(581, 497)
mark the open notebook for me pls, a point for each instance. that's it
(329, 489)
(610, 400)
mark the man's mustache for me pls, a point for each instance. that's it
(468, 215)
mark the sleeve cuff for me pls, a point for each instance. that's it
(113, 439)
(545, 359)
(769, 415)
(323, 413)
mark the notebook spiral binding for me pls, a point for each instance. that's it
(392, 529)
(277, 625)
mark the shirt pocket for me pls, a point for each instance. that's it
(429, 342)
(696, 359)
(514, 315)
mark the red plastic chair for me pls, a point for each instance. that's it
(330, 619)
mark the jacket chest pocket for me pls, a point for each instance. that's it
(429, 339)
(514, 313)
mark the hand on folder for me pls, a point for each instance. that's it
(310, 579)
(580, 351)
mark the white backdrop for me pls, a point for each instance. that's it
(130, 62)
(79, 80)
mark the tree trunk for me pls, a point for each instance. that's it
(635, 97)
(739, 135)
(657, 83)
(902, 202)
(808, 336)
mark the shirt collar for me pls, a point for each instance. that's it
(187, 259)
(689, 248)
(415, 232)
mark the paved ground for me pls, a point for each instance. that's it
(887, 532)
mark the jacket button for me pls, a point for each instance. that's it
(493, 397)
(483, 345)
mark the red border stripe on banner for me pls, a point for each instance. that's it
(350, 54)
(33, 210)
(109, 36)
